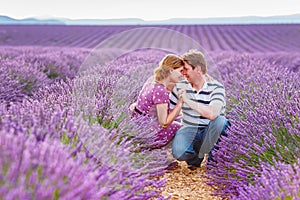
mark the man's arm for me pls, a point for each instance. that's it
(215, 106)
(210, 112)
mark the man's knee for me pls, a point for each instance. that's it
(183, 142)
(178, 151)
(220, 123)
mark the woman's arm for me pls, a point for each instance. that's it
(165, 118)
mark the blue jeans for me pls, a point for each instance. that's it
(192, 143)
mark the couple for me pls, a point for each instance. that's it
(199, 98)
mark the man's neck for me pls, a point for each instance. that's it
(198, 85)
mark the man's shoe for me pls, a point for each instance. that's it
(172, 166)
(195, 164)
(193, 167)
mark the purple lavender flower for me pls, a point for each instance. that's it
(263, 102)
(281, 181)
(42, 170)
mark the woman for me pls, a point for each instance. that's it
(153, 99)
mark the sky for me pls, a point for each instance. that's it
(146, 9)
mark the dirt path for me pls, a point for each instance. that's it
(183, 183)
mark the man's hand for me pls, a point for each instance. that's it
(210, 112)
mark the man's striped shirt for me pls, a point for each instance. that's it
(212, 92)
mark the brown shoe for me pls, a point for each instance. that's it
(193, 167)
(172, 166)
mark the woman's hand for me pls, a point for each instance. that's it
(180, 100)
(182, 96)
(132, 106)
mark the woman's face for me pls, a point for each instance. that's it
(176, 74)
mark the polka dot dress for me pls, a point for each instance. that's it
(151, 94)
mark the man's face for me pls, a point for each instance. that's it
(188, 72)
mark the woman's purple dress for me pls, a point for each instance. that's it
(151, 94)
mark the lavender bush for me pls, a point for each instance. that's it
(264, 110)
(55, 63)
(20, 78)
(43, 170)
(280, 181)
(51, 114)
(118, 171)
(27, 69)
(10, 89)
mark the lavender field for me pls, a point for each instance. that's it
(242, 38)
(65, 129)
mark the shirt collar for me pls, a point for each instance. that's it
(205, 85)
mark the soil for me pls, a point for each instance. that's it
(183, 183)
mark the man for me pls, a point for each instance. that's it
(203, 111)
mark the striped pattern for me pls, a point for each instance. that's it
(212, 92)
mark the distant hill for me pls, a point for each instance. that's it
(9, 20)
(282, 19)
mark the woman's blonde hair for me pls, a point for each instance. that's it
(168, 63)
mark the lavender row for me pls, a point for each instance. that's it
(241, 38)
(263, 106)
(25, 70)
(94, 143)
(280, 181)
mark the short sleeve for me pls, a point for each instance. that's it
(218, 95)
(160, 94)
(173, 97)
